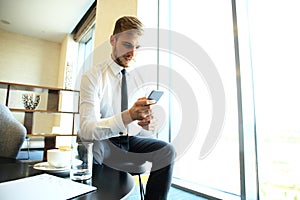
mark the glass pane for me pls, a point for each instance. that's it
(202, 30)
(275, 42)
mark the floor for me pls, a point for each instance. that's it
(174, 194)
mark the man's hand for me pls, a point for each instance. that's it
(145, 122)
(141, 111)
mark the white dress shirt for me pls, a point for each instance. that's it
(100, 101)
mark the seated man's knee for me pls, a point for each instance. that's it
(164, 157)
(171, 152)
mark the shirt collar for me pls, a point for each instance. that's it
(116, 68)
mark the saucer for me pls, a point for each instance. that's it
(44, 166)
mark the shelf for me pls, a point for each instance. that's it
(48, 134)
(41, 111)
(56, 105)
(52, 101)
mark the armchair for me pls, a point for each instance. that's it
(12, 133)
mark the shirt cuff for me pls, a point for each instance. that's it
(115, 124)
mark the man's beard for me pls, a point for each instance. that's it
(118, 58)
(119, 62)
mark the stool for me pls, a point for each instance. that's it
(135, 169)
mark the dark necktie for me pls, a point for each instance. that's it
(124, 95)
(122, 140)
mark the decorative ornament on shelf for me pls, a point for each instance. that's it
(31, 101)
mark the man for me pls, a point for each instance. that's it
(115, 132)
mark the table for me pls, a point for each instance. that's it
(111, 184)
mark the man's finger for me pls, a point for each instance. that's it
(145, 102)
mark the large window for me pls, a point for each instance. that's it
(275, 42)
(253, 46)
(204, 30)
(85, 50)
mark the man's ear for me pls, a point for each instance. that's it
(112, 40)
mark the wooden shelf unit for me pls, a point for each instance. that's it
(51, 105)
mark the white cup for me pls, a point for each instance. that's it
(59, 158)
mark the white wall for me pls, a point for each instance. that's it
(28, 60)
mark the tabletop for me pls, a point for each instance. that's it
(111, 184)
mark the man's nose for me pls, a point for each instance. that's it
(132, 51)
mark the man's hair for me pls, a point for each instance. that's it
(128, 23)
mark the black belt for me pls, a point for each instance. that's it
(122, 135)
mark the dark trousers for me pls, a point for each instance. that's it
(159, 153)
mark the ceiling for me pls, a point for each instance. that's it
(44, 19)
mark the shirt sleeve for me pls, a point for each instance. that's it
(92, 125)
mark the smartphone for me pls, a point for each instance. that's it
(155, 95)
